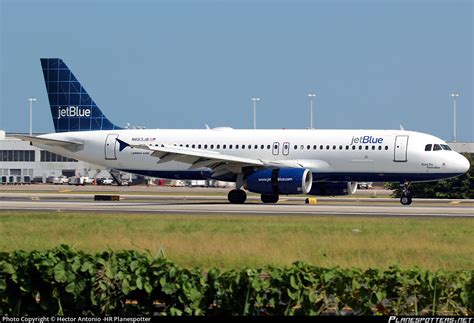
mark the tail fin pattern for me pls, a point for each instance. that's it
(72, 108)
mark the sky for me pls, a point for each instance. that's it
(373, 64)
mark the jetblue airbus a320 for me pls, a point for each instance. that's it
(268, 162)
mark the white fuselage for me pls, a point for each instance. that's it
(331, 155)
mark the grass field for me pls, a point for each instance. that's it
(229, 241)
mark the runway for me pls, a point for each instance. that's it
(218, 205)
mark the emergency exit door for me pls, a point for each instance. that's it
(110, 147)
(401, 145)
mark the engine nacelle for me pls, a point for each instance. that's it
(280, 181)
(333, 188)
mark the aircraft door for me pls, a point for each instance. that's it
(110, 147)
(276, 148)
(401, 145)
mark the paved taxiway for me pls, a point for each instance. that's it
(205, 204)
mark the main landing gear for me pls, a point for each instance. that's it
(237, 196)
(406, 197)
(269, 198)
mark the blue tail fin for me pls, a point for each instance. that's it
(72, 108)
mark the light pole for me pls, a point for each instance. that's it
(311, 96)
(454, 95)
(255, 113)
(31, 114)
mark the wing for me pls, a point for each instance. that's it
(221, 164)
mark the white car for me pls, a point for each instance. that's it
(60, 180)
(107, 181)
(365, 185)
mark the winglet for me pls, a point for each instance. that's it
(122, 144)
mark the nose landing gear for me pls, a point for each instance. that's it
(406, 197)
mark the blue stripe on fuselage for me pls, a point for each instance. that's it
(335, 177)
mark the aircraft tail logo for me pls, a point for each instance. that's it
(72, 108)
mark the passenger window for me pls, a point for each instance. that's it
(373, 147)
(224, 146)
(340, 147)
(428, 147)
(243, 146)
(262, 146)
(327, 147)
(347, 147)
(436, 147)
(230, 146)
(212, 146)
(334, 147)
(321, 147)
(360, 147)
(308, 147)
(236, 146)
(366, 147)
(199, 146)
(295, 147)
(268, 146)
(380, 147)
(386, 147)
(256, 146)
(205, 146)
(187, 146)
(353, 147)
(302, 147)
(315, 147)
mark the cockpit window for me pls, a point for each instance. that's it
(436, 147)
(428, 147)
(446, 147)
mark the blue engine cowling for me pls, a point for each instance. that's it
(333, 188)
(280, 181)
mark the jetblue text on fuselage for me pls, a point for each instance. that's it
(73, 111)
(366, 140)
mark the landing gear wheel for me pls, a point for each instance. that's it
(269, 198)
(237, 196)
(405, 199)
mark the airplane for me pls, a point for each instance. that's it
(268, 162)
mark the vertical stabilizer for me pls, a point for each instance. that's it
(72, 108)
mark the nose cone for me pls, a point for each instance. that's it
(462, 164)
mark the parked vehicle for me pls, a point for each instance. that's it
(365, 185)
(83, 180)
(60, 180)
(104, 181)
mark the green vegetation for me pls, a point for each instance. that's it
(231, 241)
(66, 282)
(461, 187)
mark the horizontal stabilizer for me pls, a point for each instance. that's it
(69, 145)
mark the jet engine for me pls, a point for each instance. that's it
(280, 181)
